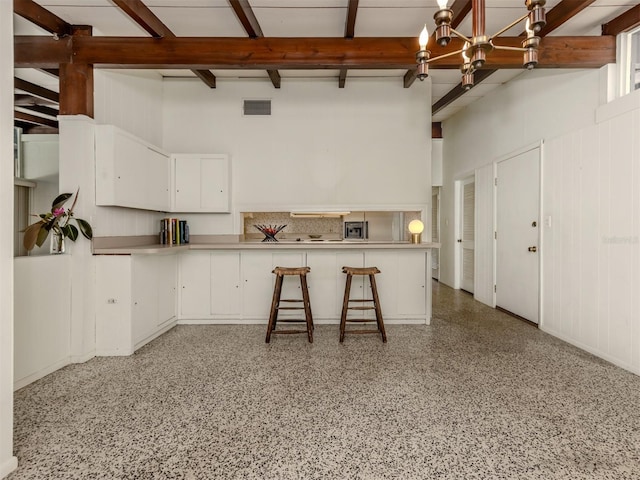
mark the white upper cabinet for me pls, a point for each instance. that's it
(201, 183)
(130, 172)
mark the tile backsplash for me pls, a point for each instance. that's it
(313, 226)
(381, 225)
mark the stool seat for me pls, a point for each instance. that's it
(291, 270)
(360, 270)
(280, 273)
(370, 272)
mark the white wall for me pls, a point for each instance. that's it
(365, 145)
(591, 256)
(590, 184)
(7, 461)
(538, 104)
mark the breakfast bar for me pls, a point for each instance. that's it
(147, 288)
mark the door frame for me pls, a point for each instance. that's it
(539, 145)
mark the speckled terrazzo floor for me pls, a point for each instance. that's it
(476, 395)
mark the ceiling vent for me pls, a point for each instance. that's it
(257, 107)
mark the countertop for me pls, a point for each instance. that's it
(144, 245)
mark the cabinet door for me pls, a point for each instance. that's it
(195, 285)
(257, 284)
(130, 171)
(412, 293)
(201, 183)
(326, 300)
(156, 180)
(187, 179)
(225, 284)
(167, 276)
(215, 184)
(144, 309)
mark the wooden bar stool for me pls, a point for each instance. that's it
(280, 273)
(371, 272)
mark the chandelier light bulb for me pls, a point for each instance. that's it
(424, 38)
(465, 55)
(442, 4)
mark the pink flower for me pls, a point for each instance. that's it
(58, 211)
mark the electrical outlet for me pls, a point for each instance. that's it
(111, 300)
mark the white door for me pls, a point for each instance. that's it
(517, 234)
(466, 240)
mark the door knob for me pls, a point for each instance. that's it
(533, 249)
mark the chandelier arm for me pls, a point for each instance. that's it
(444, 55)
(505, 47)
(512, 24)
(461, 35)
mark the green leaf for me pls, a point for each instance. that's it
(60, 200)
(42, 236)
(31, 234)
(70, 231)
(85, 228)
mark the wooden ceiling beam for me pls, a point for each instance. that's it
(27, 117)
(41, 109)
(143, 16)
(295, 53)
(33, 12)
(563, 11)
(461, 9)
(623, 23)
(250, 23)
(21, 99)
(349, 32)
(36, 90)
(557, 16)
(54, 72)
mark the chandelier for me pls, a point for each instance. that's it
(475, 49)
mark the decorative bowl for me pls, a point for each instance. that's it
(270, 232)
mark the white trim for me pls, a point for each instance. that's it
(619, 106)
(8, 466)
(23, 382)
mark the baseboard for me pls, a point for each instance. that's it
(594, 351)
(8, 466)
(83, 358)
(43, 372)
(317, 321)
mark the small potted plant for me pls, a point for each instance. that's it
(58, 222)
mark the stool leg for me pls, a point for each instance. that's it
(376, 303)
(345, 307)
(275, 303)
(307, 307)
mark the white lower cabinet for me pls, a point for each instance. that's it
(135, 300)
(195, 285)
(238, 285)
(225, 285)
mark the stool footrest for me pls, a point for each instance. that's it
(361, 299)
(291, 320)
(290, 308)
(361, 308)
(287, 332)
(360, 320)
(291, 300)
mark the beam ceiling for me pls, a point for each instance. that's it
(623, 23)
(247, 18)
(349, 32)
(290, 53)
(144, 17)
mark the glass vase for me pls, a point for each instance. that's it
(56, 246)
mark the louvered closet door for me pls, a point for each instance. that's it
(467, 235)
(435, 232)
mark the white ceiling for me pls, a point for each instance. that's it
(313, 18)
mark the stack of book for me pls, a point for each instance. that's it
(173, 231)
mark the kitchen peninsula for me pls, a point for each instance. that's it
(144, 289)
